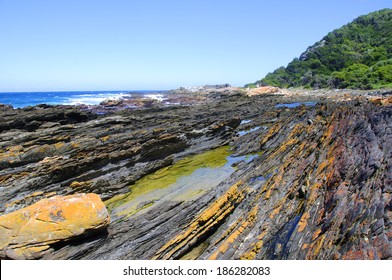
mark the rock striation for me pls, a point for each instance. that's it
(305, 176)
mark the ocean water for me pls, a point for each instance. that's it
(24, 99)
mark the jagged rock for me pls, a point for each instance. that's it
(4, 107)
(29, 232)
(112, 102)
(311, 182)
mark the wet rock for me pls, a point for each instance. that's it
(29, 232)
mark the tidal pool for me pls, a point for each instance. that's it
(245, 122)
(187, 179)
(244, 132)
(296, 104)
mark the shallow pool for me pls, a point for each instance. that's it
(296, 104)
(185, 180)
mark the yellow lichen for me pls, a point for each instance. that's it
(209, 218)
(303, 222)
(251, 255)
(59, 145)
(77, 186)
(235, 234)
(33, 228)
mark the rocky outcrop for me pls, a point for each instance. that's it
(263, 90)
(29, 232)
(102, 154)
(321, 189)
(31, 118)
(308, 181)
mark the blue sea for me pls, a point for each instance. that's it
(24, 99)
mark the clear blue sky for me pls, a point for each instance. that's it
(49, 45)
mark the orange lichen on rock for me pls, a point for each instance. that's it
(251, 255)
(25, 233)
(283, 148)
(105, 138)
(314, 192)
(387, 101)
(263, 90)
(271, 133)
(324, 164)
(80, 186)
(256, 247)
(315, 247)
(303, 221)
(378, 100)
(277, 208)
(249, 221)
(11, 153)
(209, 218)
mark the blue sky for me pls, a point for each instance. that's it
(50, 45)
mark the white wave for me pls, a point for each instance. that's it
(159, 97)
(94, 99)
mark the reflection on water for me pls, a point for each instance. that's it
(185, 180)
(245, 121)
(244, 132)
(296, 104)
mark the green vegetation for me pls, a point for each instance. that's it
(357, 55)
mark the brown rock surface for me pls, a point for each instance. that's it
(29, 232)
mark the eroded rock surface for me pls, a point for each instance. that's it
(311, 181)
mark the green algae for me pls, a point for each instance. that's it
(167, 176)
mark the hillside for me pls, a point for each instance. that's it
(357, 55)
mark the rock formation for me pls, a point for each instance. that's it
(27, 233)
(295, 181)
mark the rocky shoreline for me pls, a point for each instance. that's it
(308, 179)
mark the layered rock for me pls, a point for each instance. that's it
(29, 232)
(310, 182)
(102, 154)
(322, 189)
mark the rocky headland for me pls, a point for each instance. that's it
(208, 173)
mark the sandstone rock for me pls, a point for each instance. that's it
(28, 232)
(263, 90)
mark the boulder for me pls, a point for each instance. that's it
(29, 232)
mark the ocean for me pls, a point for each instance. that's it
(24, 99)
